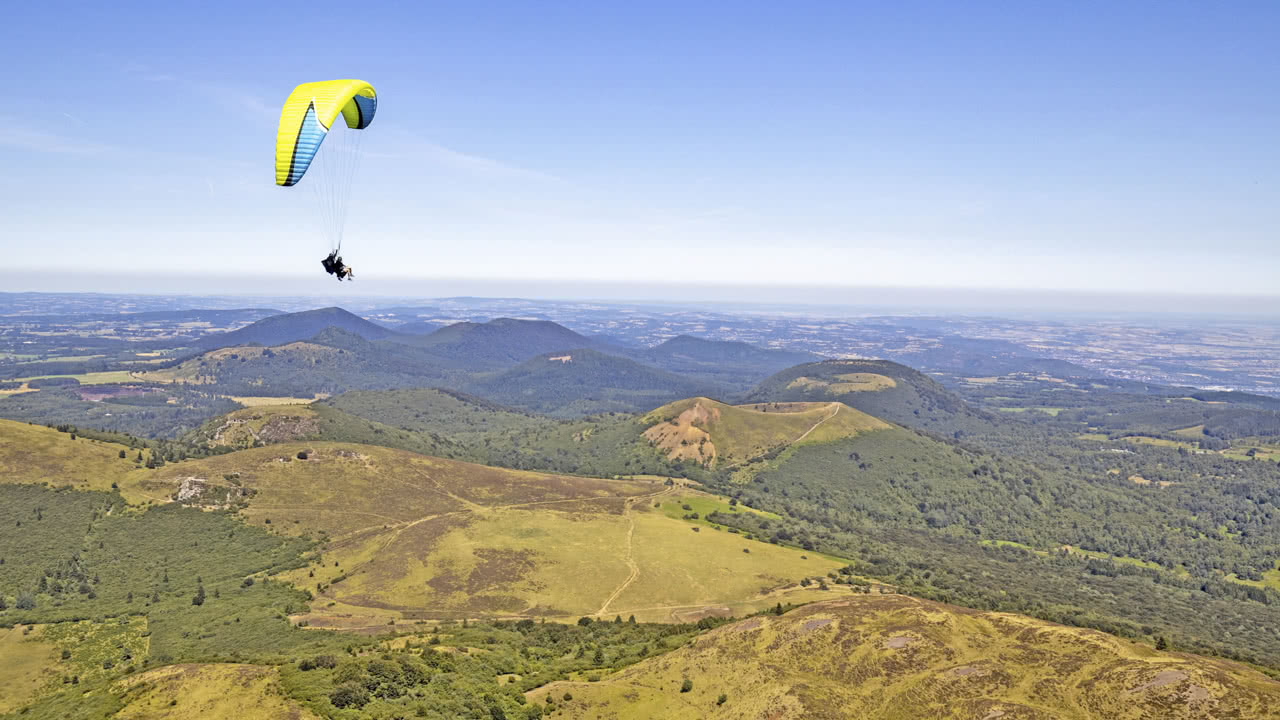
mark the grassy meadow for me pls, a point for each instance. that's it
(36, 454)
(411, 537)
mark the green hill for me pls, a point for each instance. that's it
(499, 343)
(445, 424)
(292, 327)
(900, 658)
(880, 388)
(443, 413)
(274, 424)
(571, 382)
(333, 361)
(712, 433)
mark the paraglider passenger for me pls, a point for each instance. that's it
(334, 266)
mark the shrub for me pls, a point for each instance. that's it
(349, 696)
(722, 699)
(686, 686)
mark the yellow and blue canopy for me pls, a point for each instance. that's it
(310, 111)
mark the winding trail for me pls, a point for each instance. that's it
(630, 559)
(817, 424)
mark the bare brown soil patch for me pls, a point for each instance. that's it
(682, 438)
(1162, 678)
(284, 428)
(898, 641)
(811, 625)
(498, 568)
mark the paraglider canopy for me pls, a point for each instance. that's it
(310, 111)
(308, 116)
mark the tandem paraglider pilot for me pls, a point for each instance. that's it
(334, 266)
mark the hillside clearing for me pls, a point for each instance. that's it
(208, 692)
(846, 383)
(28, 661)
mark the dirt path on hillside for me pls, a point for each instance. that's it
(630, 559)
(819, 423)
(472, 508)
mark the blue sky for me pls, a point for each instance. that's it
(1104, 146)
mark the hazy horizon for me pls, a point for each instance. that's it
(757, 298)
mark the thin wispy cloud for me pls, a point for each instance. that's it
(411, 146)
(16, 137)
(241, 100)
(142, 71)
